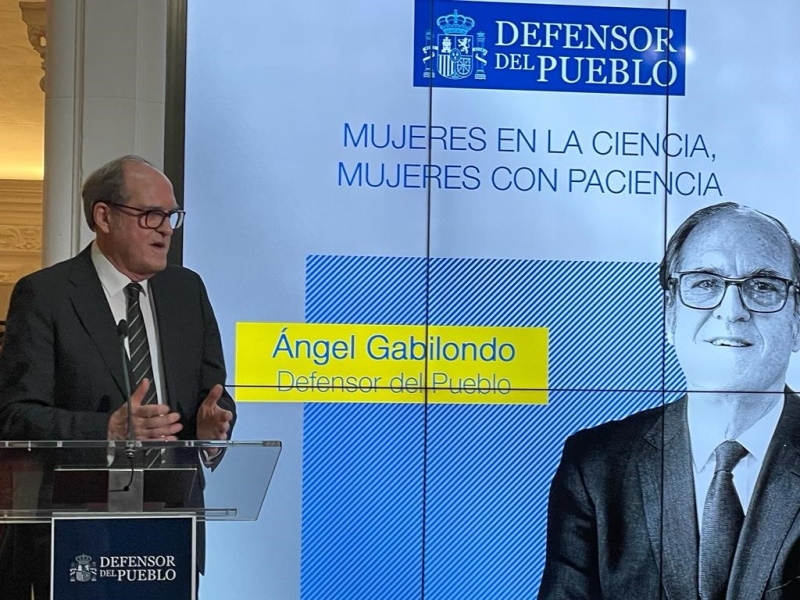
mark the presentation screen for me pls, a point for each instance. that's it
(432, 233)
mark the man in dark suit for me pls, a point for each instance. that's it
(61, 372)
(700, 497)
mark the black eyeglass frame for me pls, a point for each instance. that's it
(674, 283)
(143, 215)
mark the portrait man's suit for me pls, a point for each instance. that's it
(61, 370)
(623, 520)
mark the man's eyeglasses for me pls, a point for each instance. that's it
(153, 218)
(699, 289)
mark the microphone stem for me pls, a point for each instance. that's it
(122, 331)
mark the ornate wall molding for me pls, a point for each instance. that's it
(35, 16)
(20, 233)
(25, 239)
(24, 192)
(9, 274)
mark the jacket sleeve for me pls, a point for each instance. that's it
(212, 363)
(28, 362)
(571, 564)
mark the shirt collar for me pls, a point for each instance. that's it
(755, 440)
(111, 279)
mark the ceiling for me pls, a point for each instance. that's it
(21, 99)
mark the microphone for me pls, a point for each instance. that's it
(122, 333)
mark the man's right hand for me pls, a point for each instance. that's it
(149, 421)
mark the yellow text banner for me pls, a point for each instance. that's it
(310, 362)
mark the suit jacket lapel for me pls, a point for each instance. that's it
(168, 306)
(665, 471)
(91, 307)
(773, 509)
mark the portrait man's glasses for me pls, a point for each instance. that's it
(152, 218)
(699, 289)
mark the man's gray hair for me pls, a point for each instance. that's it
(672, 255)
(107, 184)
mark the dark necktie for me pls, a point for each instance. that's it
(139, 349)
(141, 364)
(722, 522)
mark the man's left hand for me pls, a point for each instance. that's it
(213, 422)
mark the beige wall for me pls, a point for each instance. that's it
(20, 233)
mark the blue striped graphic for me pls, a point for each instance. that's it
(365, 289)
(488, 467)
(489, 472)
(605, 318)
(362, 501)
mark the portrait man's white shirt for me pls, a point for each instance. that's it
(704, 441)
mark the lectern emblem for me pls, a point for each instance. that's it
(83, 569)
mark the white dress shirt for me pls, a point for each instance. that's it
(704, 442)
(114, 283)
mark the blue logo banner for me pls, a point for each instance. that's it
(549, 47)
(123, 558)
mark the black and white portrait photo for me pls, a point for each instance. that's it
(700, 497)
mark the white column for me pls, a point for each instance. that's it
(62, 132)
(106, 70)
